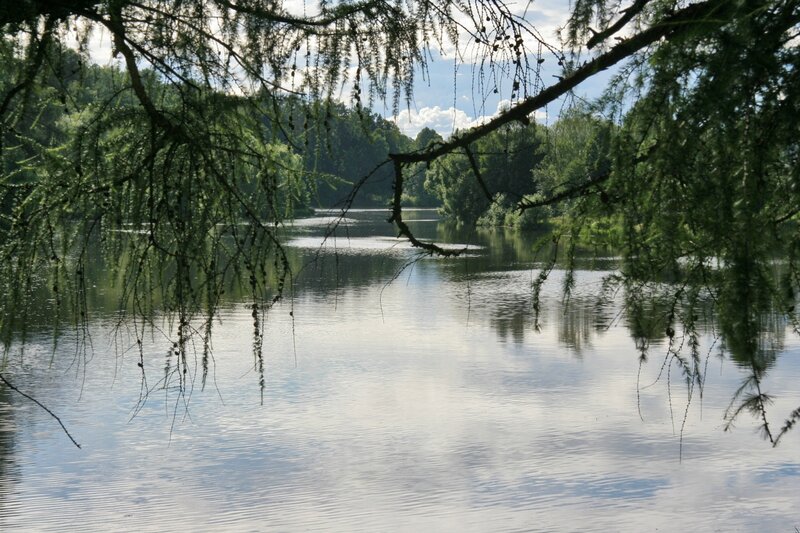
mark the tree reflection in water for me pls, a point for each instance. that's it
(8, 430)
(676, 327)
(730, 306)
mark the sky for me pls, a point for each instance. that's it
(448, 101)
(450, 98)
(448, 95)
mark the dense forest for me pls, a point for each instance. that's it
(326, 146)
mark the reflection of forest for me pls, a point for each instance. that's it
(337, 271)
(7, 466)
(512, 319)
(361, 252)
(746, 325)
(578, 324)
(498, 272)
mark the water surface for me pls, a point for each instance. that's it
(398, 396)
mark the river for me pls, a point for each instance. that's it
(398, 395)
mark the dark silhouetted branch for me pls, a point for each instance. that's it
(572, 192)
(711, 13)
(405, 231)
(627, 14)
(477, 171)
(37, 402)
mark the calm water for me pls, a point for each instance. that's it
(413, 400)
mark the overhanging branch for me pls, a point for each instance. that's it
(712, 13)
(572, 192)
(405, 231)
(627, 14)
(708, 14)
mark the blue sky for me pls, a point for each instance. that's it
(449, 97)
(448, 100)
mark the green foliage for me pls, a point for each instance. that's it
(704, 171)
(502, 163)
(695, 181)
(186, 151)
(190, 157)
(414, 192)
(342, 146)
(450, 179)
(528, 165)
(95, 167)
(497, 214)
(704, 164)
(577, 150)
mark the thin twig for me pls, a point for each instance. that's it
(37, 402)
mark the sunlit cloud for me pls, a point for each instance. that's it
(443, 120)
(446, 120)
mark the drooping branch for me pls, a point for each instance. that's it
(33, 66)
(405, 231)
(708, 14)
(627, 14)
(711, 13)
(40, 404)
(337, 14)
(117, 30)
(212, 37)
(477, 171)
(572, 192)
(62, 9)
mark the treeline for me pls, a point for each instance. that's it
(509, 177)
(325, 149)
(345, 148)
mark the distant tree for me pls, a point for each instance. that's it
(341, 146)
(426, 137)
(462, 199)
(494, 169)
(414, 190)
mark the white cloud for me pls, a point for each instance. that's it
(445, 121)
